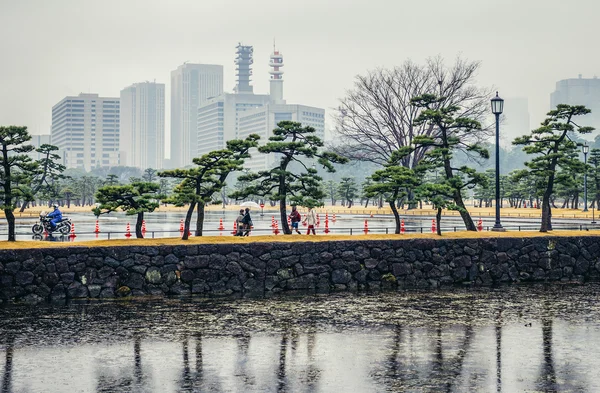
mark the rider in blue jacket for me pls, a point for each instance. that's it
(56, 216)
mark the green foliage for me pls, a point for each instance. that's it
(454, 134)
(199, 184)
(293, 144)
(16, 171)
(347, 190)
(133, 198)
(552, 150)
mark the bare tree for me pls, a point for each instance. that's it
(376, 117)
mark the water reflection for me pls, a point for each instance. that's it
(514, 339)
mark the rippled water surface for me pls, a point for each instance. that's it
(510, 339)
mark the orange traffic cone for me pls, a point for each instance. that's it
(221, 227)
(128, 233)
(318, 220)
(326, 216)
(402, 229)
(143, 226)
(272, 221)
(72, 235)
(371, 214)
(276, 230)
(433, 228)
(480, 225)
(326, 225)
(289, 220)
(366, 230)
(333, 219)
(97, 230)
(304, 221)
(234, 228)
(181, 226)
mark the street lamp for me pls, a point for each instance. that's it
(586, 150)
(497, 108)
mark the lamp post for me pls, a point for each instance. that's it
(586, 150)
(497, 108)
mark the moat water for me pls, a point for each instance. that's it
(508, 339)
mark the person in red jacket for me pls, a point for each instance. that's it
(295, 219)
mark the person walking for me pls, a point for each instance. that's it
(247, 221)
(240, 224)
(311, 220)
(295, 219)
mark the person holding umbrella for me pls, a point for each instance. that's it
(247, 221)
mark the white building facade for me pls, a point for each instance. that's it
(579, 91)
(142, 126)
(86, 130)
(191, 86)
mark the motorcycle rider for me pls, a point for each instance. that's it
(56, 216)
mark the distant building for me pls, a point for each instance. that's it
(191, 86)
(579, 91)
(37, 141)
(86, 130)
(218, 118)
(515, 119)
(142, 140)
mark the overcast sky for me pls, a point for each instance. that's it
(53, 48)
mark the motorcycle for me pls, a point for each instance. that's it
(63, 226)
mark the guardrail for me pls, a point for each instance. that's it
(320, 231)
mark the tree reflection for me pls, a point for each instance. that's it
(8, 365)
(313, 373)
(281, 376)
(499, 352)
(126, 381)
(548, 373)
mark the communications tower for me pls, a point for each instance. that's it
(243, 62)
(276, 62)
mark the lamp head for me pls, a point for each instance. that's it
(585, 149)
(497, 105)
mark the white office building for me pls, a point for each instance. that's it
(191, 86)
(142, 140)
(218, 118)
(86, 130)
(37, 141)
(579, 91)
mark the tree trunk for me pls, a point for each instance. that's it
(546, 213)
(438, 219)
(10, 218)
(188, 219)
(138, 225)
(466, 217)
(24, 206)
(395, 211)
(283, 215)
(200, 219)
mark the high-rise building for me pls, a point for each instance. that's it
(142, 140)
(36, 141)
(579, 91)
(85, 128)
(191, 86)
(218, 118)
(515, 119)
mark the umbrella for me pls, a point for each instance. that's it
(249, 204)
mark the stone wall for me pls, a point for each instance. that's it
(262, 268)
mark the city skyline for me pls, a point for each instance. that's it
(514, 42)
